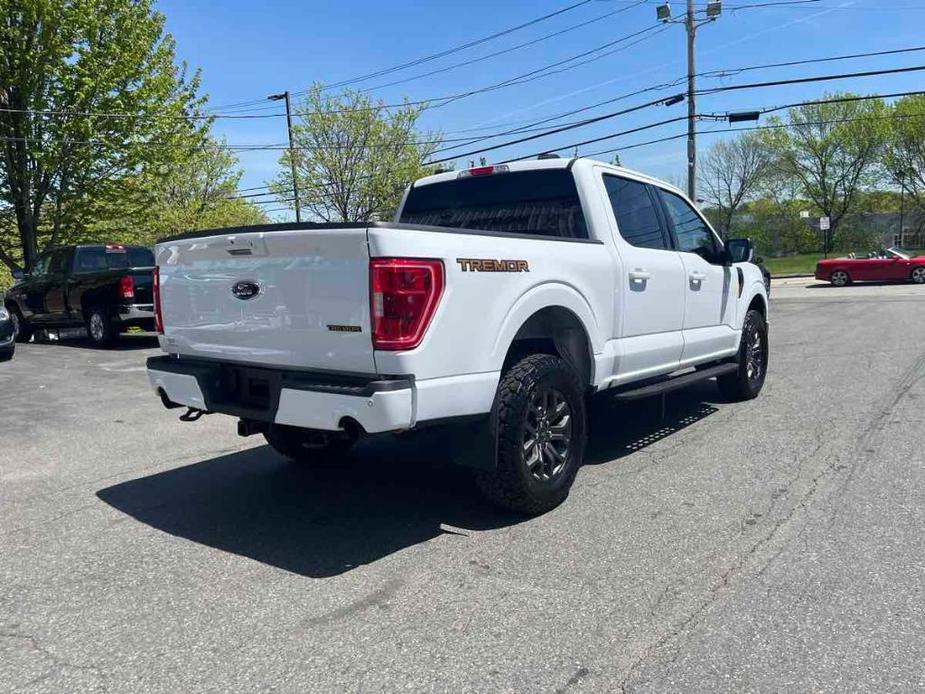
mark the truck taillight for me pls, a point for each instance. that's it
(156, 285)
(404, 293)
(127, 287)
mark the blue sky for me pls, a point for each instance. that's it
(248, 50)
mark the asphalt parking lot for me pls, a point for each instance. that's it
(768, 546)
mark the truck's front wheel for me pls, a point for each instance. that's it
(747, 381)
(306, 445)
(539, 416)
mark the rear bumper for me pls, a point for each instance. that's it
(297, 398)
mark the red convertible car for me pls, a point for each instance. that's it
(885, 266)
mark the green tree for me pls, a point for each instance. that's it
(904, 155)
(63, 63)
(354, 157)
(731, 171)
(831, 151)
(196, 193)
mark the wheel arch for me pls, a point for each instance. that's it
(760, 304)
(553, 327)
(94, 298)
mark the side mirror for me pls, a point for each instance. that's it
(18, 275)
(740, 250)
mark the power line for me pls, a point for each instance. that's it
(640, 128)
(774, 126)
(456, 49)
(554, 131)
(835, 100)
(577, 124)
(710, 74)
(427, 103)
(541, 72)
(712, 90)
(723, 72)
(816, 78)
(472, 61)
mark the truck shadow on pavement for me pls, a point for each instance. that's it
(392, 494)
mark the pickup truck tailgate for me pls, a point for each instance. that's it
(141, 285)
(289, 297)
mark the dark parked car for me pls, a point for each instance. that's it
(105, 287)
(764, 273)
(7, 333)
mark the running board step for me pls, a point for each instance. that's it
(677, 382)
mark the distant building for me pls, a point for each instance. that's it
(886, 224)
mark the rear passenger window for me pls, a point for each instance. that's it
(636, 214)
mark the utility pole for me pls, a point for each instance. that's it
(691, 104)
(295, 183)
(713, 10)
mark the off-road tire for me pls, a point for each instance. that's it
(512, 485)
(745, 383)
(307, 446)
(101, 328)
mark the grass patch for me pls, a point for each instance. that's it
(793, 264)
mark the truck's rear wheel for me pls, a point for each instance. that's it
(539, 416)
(747, 381)
(306, 445)
(101, 328)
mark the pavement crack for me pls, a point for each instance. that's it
(56, 660)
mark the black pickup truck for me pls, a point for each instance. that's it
(106, 288)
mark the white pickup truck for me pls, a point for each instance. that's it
(499, 298)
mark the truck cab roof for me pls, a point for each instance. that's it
(573, 163)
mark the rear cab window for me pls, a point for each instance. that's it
(540, 202)
(97, 258)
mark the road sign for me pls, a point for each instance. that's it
(825, 224)
(804, 214)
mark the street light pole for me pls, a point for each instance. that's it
(691, 104)
(713, 10)
(292, 164)
(902, 206)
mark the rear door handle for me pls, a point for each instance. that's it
(698, 276)
(640, 275)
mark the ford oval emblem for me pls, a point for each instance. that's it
(245, 290)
